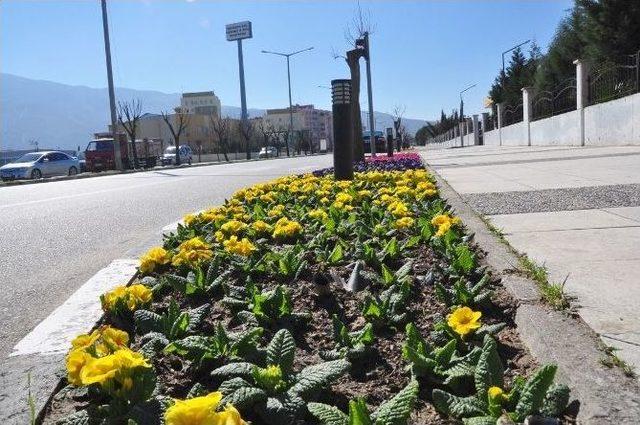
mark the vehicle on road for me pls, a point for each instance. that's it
(267, 152)
(323, 145)
(36, 165)
(169, 156)
(381, 142)
(82, 161)
(99, 152)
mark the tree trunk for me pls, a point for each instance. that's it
(177, 143)
(353, 60)
(133, 148)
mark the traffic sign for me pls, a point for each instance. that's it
(239, 31)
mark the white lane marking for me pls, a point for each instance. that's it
(78, 195)
(77, 314)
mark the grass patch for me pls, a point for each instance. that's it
(611, 360)
(552, 293)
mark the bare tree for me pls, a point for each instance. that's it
(398, 112)
(129, 114)
(181, 121)
(359, 27)
(221, 127)
(246, 132)
(264, 128)
(285, 132)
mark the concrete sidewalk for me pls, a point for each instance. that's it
(575, 210)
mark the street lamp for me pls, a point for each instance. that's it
(462, 102)
(513, 48)
(288, 55)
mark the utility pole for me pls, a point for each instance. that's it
(243, 95)
(112, 96)
(370, 94)
(237, 32)
(288, 55)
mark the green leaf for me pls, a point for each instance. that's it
(180, 326)
(243, 369)
(443, 355)
(228, 387)
(480, 420)
(358, 413)
(459, 407)
(191, 347)
(315, 377)
(328, 415)
(555, 401)
(281, 350)
(396, 411)
(245, 397)
(336, 255)
(534, 391)
(387, 275)
(489, 370)
(147, 321)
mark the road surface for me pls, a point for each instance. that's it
(56, 235)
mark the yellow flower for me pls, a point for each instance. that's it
(276, 211)
(85, 341)
(189, 218)
(444, 222)
(440, 219)
(285, 229)
(141, 293)
(464, 320)
(398, 209)
(128, 359)
(219, 235)
(233, 227)
(261, 227)
(404, 222)
(344, 197)
(318, 214)
(268, 197)
(76, 359)
(364, 193)
(202, 411)
(495, 393)
(99, 370)
(115, 338)
(154, 257)
(192, 252)
(242, 247)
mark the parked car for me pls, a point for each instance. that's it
(82, 161)
(169, 156)
(267, 152)
(36, 165)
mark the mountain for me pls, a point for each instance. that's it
(64, 116)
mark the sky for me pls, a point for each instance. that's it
(423, 53)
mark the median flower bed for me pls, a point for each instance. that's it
(307, 300)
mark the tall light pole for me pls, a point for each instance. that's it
(112, 96)
(370, 95)
(462, 110)
(513, 48)
(288, 55)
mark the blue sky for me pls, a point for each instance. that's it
(423, 53)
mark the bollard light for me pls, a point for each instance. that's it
(389, 141)
(342, 129)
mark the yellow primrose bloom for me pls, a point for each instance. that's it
(99, 370)
(404, 222)
(324, 200)
(268, 197)
(140, 293)
(286, 228)
(202, 411)
(219, 235)
(154, 257)
(192, 252)
(241, 247)
(364, 193)
(398, 209)
(85, 341)
(464, 320)
(189, 218)
(261, 227)
(75, 361)
(233, 227)
(115, 338)
(276, 211)
(318, 214)
(128, 359)
(344, 197)
(495, 393)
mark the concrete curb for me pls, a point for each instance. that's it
(87, 175)
(41, 353)
(605, 396)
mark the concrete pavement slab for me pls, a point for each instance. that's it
(632, 213)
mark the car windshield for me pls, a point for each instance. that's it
(29, 157)
(100, 145)
(170, 149)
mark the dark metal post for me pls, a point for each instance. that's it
(112, 97)
(390, 141)
(342, 131)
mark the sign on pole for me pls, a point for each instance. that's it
(239, 31)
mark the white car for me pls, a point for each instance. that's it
(268, 152)
(169, 156)
(36, 165)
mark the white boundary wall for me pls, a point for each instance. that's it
(515, 134)
(563, 129)
(491, 138)
(616, 122)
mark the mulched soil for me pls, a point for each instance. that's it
(377, 377)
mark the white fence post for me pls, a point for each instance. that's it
(527, 94)
(476, 131)
(582, 93)
(499, 111)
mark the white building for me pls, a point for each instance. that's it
(201, 103)
(306, 118)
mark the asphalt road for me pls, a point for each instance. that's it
(55, 236)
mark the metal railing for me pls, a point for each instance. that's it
(553, 102)
(512, 114)
(614, 79)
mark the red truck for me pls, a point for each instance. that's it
(99, 152)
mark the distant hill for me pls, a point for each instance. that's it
(64, 116)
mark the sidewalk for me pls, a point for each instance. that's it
(575, 210)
